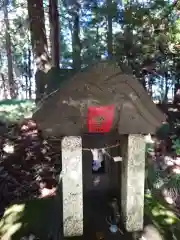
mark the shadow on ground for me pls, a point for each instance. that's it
(43, 218)
(39, 217)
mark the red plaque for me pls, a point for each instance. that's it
(100, 119)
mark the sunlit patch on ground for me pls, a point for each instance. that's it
(8, 148)
(36, 217)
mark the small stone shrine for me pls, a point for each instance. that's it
(133, 114)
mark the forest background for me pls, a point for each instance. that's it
(63, 36)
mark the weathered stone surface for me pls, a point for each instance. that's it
(64, 112)
(132, 189)
(72, 186)
(151, 232)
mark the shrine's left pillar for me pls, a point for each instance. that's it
(72, 186)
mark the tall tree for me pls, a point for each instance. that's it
(12, 85)
(76, 43)
(110, 28)
(54, 32)
(39, 45)
(29, 74)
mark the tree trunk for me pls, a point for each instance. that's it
(26, 80)
(76, 43)
(165, 99)
(12, 86)
(39, 45)
(4, 86)
(29, 74)
(109, 32)
(54, 32)
(98, 52)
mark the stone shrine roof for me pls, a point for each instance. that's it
(64, 111)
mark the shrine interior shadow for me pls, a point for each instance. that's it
(99, 187)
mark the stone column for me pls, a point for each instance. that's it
(132, 185)
(72, 186)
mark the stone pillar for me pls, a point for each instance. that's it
(132, 185)
(72, 186)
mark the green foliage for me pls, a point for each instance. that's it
(15, 110)
(174, 182)
(18, 45)
(144, 34)
(163, 218)
(176, 145)
(175, 138)
(148, 40)
(40, 217)
(156, 179)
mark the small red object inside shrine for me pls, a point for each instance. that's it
(100, 118)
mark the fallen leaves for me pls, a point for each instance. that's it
(27, 161)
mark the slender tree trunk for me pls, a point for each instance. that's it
(12, 86)
(4, 86)
(110, 30)
(73, 8)
(39, 45)
(165, 100)
(29, 74)
(76, 43)
(26, 77)
(98, 54)
(54, 32)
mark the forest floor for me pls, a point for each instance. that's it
(29, 171)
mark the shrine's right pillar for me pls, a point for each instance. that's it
(132, 181)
